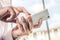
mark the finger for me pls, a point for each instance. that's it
(16, 11)
(23, 33)
(25, 26)
(30, 22)
(22, 9)
(12, 14)
(12, 21)
(17, 22)
(16, 31)
(39, 23)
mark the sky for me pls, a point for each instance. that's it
(34, 6)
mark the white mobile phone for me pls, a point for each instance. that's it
(43, 14)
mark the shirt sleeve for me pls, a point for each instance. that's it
(8, 36)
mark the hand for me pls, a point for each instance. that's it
(8, 14)
(26, 27)
(19, 29)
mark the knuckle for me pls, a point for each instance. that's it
(23, 19)
(22, 7)
(29, 18)
(10, 6)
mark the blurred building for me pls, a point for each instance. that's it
(43, 35)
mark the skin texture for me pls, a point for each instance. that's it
(25, 29)
(8, 14)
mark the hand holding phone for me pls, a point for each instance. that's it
(43, 14)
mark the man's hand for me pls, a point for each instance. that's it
(26, 27)
(8, 14)
(20, 29)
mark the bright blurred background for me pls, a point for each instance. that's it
(34, 6)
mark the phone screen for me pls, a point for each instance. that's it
(43, 14)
